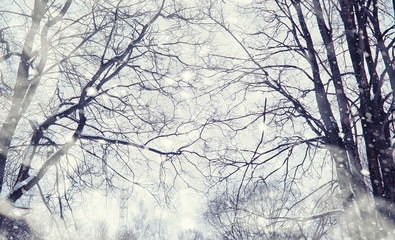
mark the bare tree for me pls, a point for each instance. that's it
(312, 85)
(101, 231)
(269, 212)
(294, 93)
(190, 235)
(91, 97)
(17, 229)
(145, 226)
(126, 234)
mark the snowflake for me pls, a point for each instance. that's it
(91, 92)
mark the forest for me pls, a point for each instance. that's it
(197, 120)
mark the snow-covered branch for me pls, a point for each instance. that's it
(300, 218)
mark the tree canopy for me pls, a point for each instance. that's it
(280, 112)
